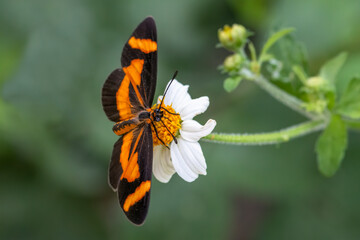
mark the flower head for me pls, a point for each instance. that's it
(176, 147)
(232, 37)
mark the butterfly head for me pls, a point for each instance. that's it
(157, 114)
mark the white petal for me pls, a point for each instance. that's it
(177, 95)
(194, 107)
(192, 131)
(188, 159)
(163, 169)
(193, 155)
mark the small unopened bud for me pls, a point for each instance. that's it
(232, 37)
(233, 62)
(315, 82)
(255, 67)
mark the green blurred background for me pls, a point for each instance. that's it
(55, 140)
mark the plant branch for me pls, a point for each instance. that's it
(276, 137)
(287, 99)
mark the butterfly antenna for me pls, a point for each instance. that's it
(157, 135)
(172, 79)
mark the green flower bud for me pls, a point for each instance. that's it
(233, 37)
(315, 83)
(317, 106)
(233, 62)
(255, 67)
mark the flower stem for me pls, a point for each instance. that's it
(276, 137)
(287, 99)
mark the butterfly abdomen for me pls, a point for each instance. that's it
(120, 128)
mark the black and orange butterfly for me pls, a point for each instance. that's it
(127, 96)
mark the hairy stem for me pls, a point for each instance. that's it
(276, 137)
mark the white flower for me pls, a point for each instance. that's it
(184, 157)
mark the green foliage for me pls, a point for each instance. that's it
(313, 96)
(291, 54)
(300, 73)
(231, 83)
(319, 91)
(273, 39)
(331, 68)
(349, 104)
(331, 146)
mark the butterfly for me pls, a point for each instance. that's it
(127, 95)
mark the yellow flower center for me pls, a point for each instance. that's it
(167, 127)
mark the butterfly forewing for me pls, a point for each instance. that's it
(127, 92)
(117, 97)
(143, 45)
(139, 71)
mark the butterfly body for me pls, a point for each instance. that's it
(127, 97)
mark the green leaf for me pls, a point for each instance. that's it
(331, 99)
(290, 53)
(331, 145)
(331, 68)
(252, 51)
(300, 73)
(349, 104)
(231, 83)
(273, 39)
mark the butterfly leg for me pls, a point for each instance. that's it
(157, 135)
(169, 131)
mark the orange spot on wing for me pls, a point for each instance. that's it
(129, 161)
(137, 195)
(144, 45)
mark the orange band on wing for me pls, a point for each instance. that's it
(133, 74)
(137, 195)
(129, 161)
(134, 70)
(125, 150)
(123, 104)
(144, 45)
(132, 172)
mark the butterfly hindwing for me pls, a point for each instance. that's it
(134, 196)
(130, 172)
